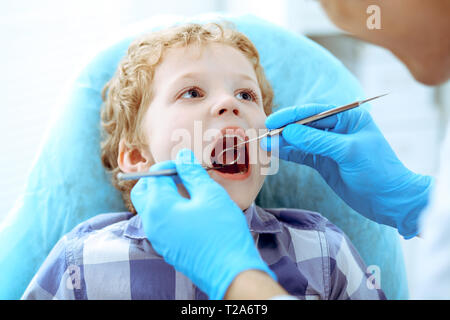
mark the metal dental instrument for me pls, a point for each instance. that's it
(270, 133)
(310, 119)
(165, 172)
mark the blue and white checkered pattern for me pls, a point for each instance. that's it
(109, 257)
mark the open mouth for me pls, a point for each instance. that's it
(229, 158)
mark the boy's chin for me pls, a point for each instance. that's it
(243, 200)
(244, 197)
(243, 204)
(243, 192)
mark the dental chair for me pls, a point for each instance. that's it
(67, 183)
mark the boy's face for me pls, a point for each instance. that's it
(206, 99)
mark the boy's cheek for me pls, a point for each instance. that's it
(166, 142)
(162, 149)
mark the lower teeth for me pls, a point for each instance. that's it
(234, 169)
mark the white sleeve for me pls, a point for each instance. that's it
(434, 252)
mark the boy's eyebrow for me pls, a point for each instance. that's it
(197, 75)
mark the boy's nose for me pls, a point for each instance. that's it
(227, 106)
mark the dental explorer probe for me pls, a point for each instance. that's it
(270, 133)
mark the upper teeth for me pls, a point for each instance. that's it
(232, 136)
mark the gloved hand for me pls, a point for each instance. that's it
(205, 237)
(353, 157)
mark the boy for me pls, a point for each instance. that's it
(169, 82)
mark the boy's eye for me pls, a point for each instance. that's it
(191, 93)
(194, 93)
(247, 95)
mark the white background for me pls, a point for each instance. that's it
(45, 42)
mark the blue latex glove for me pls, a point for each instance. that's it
(205, 237)
(356, 161)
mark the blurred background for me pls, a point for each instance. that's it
(46, 42)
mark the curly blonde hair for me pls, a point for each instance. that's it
(128, 94)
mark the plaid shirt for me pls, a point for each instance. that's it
(109, 257)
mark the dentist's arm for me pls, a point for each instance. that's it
(254, 285)
(205, 237)
(354, 158)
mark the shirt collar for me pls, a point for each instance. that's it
(261, 221)
(134, 229)
(258, 220)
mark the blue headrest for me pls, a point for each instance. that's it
(68, 184)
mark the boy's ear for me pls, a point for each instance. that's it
(133, 160)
